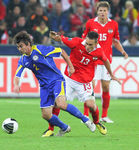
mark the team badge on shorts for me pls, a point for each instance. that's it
(35, 57)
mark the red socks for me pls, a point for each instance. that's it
(105, 103)
(86, 110)
(95, 116)
(56, 112)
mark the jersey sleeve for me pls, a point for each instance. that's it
(116, 35)
(20, 68)
(102, 55)
(87, 29)
(46, 51)
(70, 42)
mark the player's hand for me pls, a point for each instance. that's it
(54, 35)
(116, 79)
(71, 70)
(125, 55)
(16, 89)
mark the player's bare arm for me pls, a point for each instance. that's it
(70, 65)
(108, 67)
(54, 35)
(16, 85)
(119, 47)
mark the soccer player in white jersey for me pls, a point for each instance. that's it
(108, 35)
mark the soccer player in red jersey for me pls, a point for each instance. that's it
(84, 54)
(108, 35)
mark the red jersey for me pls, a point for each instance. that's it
(83, 62)
(107, 32)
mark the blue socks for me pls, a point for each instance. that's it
(75, 112)
(57, 122)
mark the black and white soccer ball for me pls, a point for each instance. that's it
(10, 125)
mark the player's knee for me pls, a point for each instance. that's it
(91, 104)
(105, 87)
(46, 116)
(62, 105)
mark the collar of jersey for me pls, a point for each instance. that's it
(96, 20)
(34, 47)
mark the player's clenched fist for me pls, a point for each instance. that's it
(54, 35)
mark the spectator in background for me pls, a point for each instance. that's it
(136, 25)
(66, 5)
(59, 20)
(90, 6)
(20, 25)
(48, 5)
(12, 4)
(44, 32)
(11, 20)
(2, 10)
(129, 15)
(132, 40)
(116, 10)
(77, 19)
(34, 20)
(30, 7)
(3, 33)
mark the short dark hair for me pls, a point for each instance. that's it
(24, 37)
(93, 35)
(103, 4)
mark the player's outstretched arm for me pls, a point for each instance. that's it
(54, 35)
(16, 85)
(68, 61)
(108, 67)
(120, 48)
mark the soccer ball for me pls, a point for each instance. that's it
(10, 125)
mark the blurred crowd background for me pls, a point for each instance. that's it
(67, 17)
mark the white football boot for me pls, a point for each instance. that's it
(90, 125)
(61, 132)
(106, 119)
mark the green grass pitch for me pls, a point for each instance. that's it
(122, 135)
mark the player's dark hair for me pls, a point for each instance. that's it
(24, 37)
(93, 35)
(103, 4)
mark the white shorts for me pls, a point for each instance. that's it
(101, 73)
(83, 91)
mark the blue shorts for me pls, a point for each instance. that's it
(48, 94)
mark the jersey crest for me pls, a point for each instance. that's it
(35, 57)
(110, 31)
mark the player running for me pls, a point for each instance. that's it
(84, 54)
(39, 59)
(108, 35)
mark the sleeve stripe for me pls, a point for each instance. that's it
(56, 50)
(18, 69)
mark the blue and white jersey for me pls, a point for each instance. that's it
(42, 64)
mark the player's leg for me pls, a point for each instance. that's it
(54, 120)
(61, 103)
(95, 115)
(105, 82)
(46, 104)
(56, 110)
(86, 109)
(105, 101)
(50, 130)
(87, 95)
